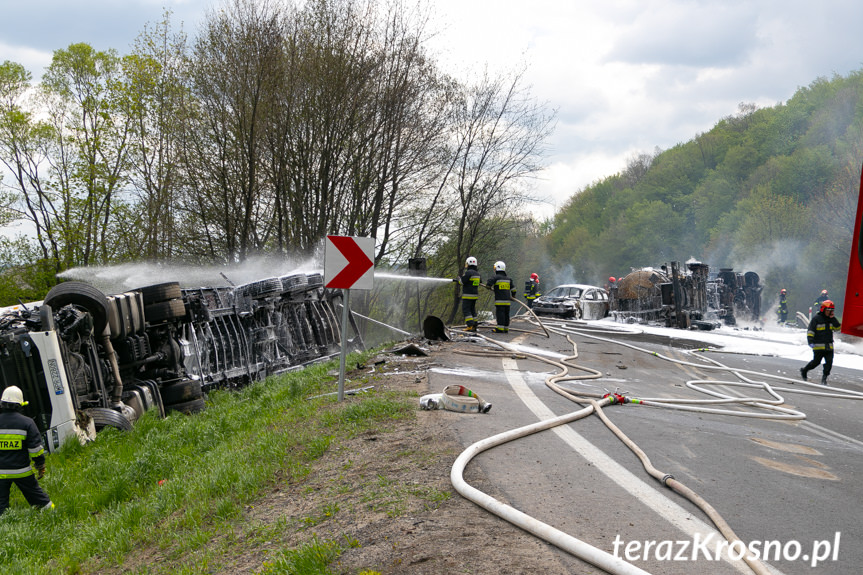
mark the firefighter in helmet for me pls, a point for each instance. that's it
(782, 310)
(531, 289)
(469, 281)
(820, 338)
(822, 297)
(20, 451)
(504, 293)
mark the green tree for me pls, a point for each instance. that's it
(88, 152)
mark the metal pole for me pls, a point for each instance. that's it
(344, 354)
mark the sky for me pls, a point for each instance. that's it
(625, 76)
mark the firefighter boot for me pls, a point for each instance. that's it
(803, 373)
(824, 379)
(470, 328)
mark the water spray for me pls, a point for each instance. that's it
(426, 279)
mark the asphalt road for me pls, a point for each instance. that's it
(788, 489)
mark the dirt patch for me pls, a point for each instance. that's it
(387, 496)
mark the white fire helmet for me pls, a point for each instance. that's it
(499, 266)
(12, 394)
(470, 261)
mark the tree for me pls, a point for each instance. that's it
(88, 153)
(498, 136)
(234, 74)
(156, 102)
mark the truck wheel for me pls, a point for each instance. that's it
(180, 392)
(263, 288)
(104, 417)
(188, 407)
(160, 292)
(164, 310)
(83, 295)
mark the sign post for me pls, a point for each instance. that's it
(348, 263)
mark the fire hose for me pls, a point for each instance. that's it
(576, 547)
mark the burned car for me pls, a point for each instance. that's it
(577, 301)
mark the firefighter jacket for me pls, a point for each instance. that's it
(504, 291)
(20, 444)
(531, 290)
(820, 332)
(470, 281)
(783, 304)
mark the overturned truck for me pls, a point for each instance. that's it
(86, 361)
(690, 297)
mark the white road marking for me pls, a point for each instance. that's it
(659, 503)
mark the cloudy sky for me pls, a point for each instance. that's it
(626, 76)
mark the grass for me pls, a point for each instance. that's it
(176, 484)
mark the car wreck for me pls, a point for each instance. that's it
(576, 301)
(686, 297)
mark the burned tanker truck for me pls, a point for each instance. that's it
(693, 297)
(86, 361)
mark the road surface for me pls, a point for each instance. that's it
(788, 489)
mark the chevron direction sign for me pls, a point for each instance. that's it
(349, 262)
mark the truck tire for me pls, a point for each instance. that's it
(188, 407)
(82, 295)
(181, 392)
(164, 310)
(263, 288)
(104, 417)
(160, 292)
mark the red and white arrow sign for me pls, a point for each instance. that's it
(349, 262)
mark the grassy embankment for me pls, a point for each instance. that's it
(179, 483)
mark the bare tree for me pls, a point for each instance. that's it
(233, 81)
(156, 101)
(498, 140)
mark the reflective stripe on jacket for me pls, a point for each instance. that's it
(470, 281)
(503, 290)
(20, 445)
(820, 332)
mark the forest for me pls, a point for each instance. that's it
(276, 125)
(771, 190)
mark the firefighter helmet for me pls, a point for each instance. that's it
(12, 394)
(824, 292)
(534, 277)
(611, 279)
(499, 266)
(827, 304)
(470, 261)
(782, 291)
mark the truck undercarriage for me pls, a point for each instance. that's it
(86, 360)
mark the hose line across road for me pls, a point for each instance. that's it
(711, 443)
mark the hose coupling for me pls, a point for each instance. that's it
(616, 398)
(665, 479)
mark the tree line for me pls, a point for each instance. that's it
(771, 190)
(275, 125)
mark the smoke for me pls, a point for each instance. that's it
(781, 256)
(124, 277)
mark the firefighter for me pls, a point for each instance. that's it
(20, 450)
(504, 292)
(469, 281)
(820, 338)
(783, 306)
(531, 289)
(822, 297)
